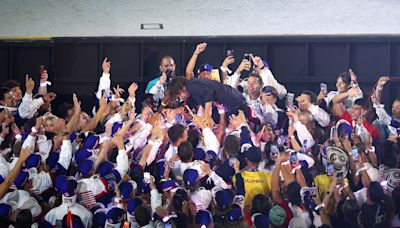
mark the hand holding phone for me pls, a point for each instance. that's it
(146, 177)
(324, 87)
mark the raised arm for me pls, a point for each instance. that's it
(192, 62)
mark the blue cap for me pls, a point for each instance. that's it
(69, 187)
(204, 67)
(133, 204)
(81, 154)
(210, 157)
(203, 218)
(85, 166)
(115, 215)
(253, 154)
(52, 159)
(60, 179)
(144, 188)
(159, 169)
(345, 129)
(5, 210)
(223, 198)
(115, 127)
(190, 177)
(96, 206)
(105, 168)
(199, 154)
(21, 179)
(127, 189)
(91, 141)
(260, 220)
(33, 161)
(99, 218)
(168, 185)
(235, 214)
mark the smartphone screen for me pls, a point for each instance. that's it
(313, 191)
(215, 75)
(293, 158)
(146, 177)
(333, 132)
(289, 100)
(324, 87)
(329, 169)
(354, 153)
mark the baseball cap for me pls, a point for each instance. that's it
(81, 154)
(277, 215)
(168, 185)
(260, 220)
(268, 90)
(204, 67)
(21, 179)
(223, 198)
(235, 213)
(253, 154)
(99, 218)
(69, 187)
(33, 161)
(203, 218)
(190, 177)
(85, 166)
(115, 127)
(115, 216)
(91, 141)
(127, 189)
(5, 210)
(133, 204)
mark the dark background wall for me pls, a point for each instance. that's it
(74, 64)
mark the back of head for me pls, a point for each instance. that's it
(10, 84)
(176, 84)
(24, 219)
(175, 132)
(142, 215)
(185, 151)
(311, 95)
(346, 78)
(293, 193)
(350, 210)
(3, 91)
(375, 192)
(260, 204)
(231, 145)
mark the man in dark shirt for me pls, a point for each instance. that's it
(204, 92)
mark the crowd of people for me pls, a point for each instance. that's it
(207, 149)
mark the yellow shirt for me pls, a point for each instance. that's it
(255, 182)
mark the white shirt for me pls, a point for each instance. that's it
(56, 215)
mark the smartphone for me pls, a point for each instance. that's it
(41, 70)
(333, 132)
(339, 178)
(274, 150)
(232, 161)
(215, 75)
(169, 74)
(330, 169)
(230, 52)
(146, 177)
(289, 100)
(293, 158)
(354, 153)
(247, 56)
(324, 87)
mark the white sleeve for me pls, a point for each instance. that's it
(158, 91)
(303, 134)
(44, 148)
(218, 181)
(155, 200)
(210, 140)
(140, 138)
(29, 106)
(319, 115)
(122, 162)
(269, 80)
(65, 154)
(383, 117)
(104, 84)
(270, 115)
(233, 80)
(308, 159)
(29, 142)
(330, 96)
(41, 182)
(153, 151)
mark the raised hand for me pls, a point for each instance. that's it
(228, 61)
(44, 77)
(258, 62)
(29, 84)
(106, 65)
(200, 48)
(244, 65)
(199, 121)
(132, 90)
(49, 97)
(163, 79)
(118, 91)
(25, 152)
(382, 82)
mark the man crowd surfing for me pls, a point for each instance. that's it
(208, 149)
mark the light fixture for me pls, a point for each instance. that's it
(152, 26)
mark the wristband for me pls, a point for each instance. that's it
(296, 168)
(319, 206)
(291, 137)
(221, 111)
(44, 84)
(34, 130)
(196, 53)
(18, 137)
(262, 68)
(360, 170)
